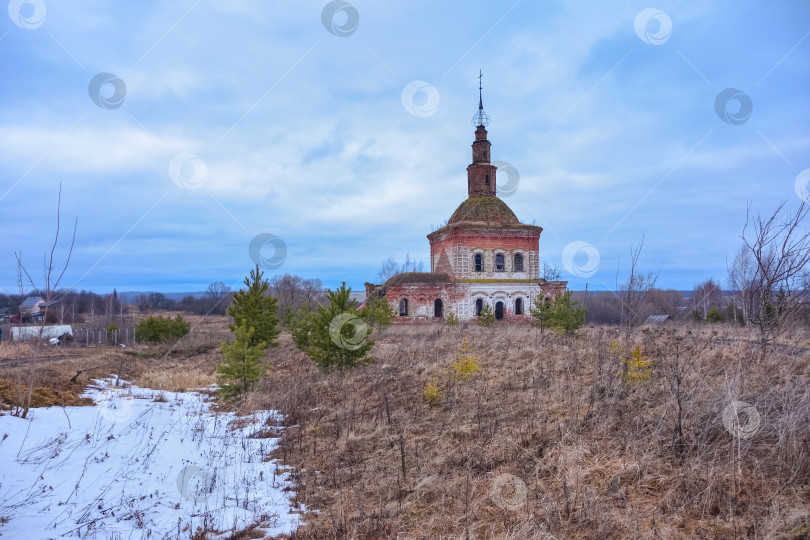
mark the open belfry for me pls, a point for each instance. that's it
(483, 256)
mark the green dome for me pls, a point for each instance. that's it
(489, 210)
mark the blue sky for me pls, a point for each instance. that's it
(243, 118)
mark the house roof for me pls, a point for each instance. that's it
(658, 318)
(34, 301)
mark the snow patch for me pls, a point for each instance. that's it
(140, 463)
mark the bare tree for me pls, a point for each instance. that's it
(142, 302)
(288, 290)
(677, 356)
(636, 288)
(109, 309)
(313, 291)
(550, 272)
(740, 277)
(664, 302)
(705, 296)
(781, 252)
(294, 291)
(52, 276)
(217, 298)
(217, 290)
(391, 268)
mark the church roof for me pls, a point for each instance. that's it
(490, 210)
(483, 212)
(417, 277)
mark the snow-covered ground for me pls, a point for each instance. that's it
(133, 466)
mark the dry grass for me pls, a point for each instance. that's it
(176, 366)
(545, 442)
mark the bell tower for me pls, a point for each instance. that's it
(481, 173)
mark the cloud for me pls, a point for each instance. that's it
(303, 133)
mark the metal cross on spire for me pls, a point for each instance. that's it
(480, 97)
(480, 119)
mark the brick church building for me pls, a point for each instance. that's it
(483, 256)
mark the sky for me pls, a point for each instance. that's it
(194, 138)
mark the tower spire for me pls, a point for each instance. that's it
(480, 95)
(480, 119)
(481, 172)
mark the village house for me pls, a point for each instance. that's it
(33, 308)
(483, 256)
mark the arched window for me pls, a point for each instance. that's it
(486, 179)
(500, 266)
(518, 262)
(403, 307)
(479, 262)
(437, 308)
(479, 305)
(519, 306)
(499, 311)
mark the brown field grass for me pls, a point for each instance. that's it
(543, 442)
(175, 366)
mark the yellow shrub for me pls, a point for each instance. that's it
(466, 363)
(637, 367)
(432, 393)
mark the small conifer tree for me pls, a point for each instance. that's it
(541, 307)
(255, 308)
(714, 315)
(433, 393)
(301, 326)
(486, 318)
(466, 363)
(377, 312)
(338, 337)
(561, 314)
(636, 367)
(240, 368)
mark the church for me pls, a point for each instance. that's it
(483, 256)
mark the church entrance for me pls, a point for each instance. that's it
(499, 310)
(437, 308)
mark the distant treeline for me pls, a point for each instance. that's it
(73, 307)
(706, 302)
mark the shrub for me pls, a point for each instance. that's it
(636, 367)
(466, 363)
(486, 318)
(158, 329)
(112, 328)
(432, 393)
(452, 319)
